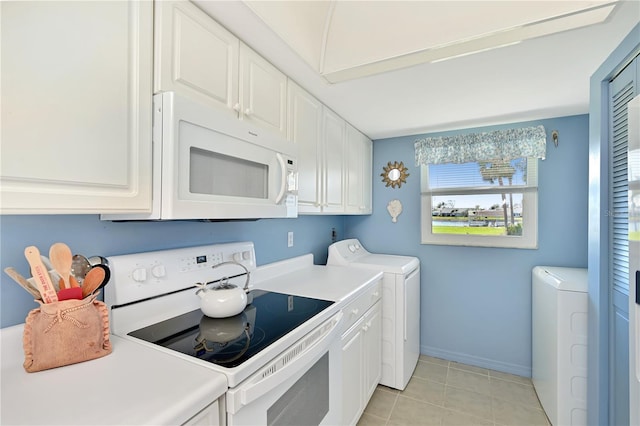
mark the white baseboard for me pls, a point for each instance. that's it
(519, 370)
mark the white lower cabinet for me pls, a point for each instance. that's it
(76, 107)
(361, 356)
(209, 416)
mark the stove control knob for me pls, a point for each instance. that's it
(158, 271)
(139, 275)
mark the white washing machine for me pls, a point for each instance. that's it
(559, 342)
(400, 306)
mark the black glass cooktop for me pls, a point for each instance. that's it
(231, 341)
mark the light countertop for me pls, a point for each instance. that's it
(132, 385)
(336, 283)
(136, 384)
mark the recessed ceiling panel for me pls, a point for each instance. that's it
(343, 40)
(301, 24)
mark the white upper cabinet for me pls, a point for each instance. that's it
(305, 122)
(334, 158)
(199, 58)
(76, 107)
(195, 56)
(358, 172)
(333, 139)
(263, 92)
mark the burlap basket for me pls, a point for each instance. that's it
(65, 332)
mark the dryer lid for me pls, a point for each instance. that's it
(388, 263)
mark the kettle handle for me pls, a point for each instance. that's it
(247, 273)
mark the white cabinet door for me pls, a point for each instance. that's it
(195, 56)
(358, 172)
(305, 118)
(361, 363)
(367, 176)
(76, 107)
(209, 416)
(372, 350)
(352, 375)
(199, 58)
(333, 140)
(263, 92)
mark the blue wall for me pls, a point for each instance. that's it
(87, 235)
(476, 302)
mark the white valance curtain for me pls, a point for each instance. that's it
(500, 144)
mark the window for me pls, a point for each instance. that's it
(481, 189)
(483, 203)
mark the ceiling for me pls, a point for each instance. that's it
(395, 68)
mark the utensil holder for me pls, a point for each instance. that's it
(65, 332)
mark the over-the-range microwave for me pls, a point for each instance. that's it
(211, 165)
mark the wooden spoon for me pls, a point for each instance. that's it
(61, 258)
(94, 279)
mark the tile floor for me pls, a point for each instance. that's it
(444, 392)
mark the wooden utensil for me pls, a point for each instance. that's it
(94, 279)
(40, 275)
(61, 259)
(23, 282)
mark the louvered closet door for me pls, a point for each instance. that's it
(622, 89)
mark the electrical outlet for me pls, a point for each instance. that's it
(290, 239)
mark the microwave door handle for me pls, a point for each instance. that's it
(283, 182)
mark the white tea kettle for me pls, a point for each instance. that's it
(224, 300)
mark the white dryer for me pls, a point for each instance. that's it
(400, 306)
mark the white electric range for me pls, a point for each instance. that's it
(282, 362)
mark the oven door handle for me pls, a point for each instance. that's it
(299, 357)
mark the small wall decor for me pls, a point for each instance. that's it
(394, 174)
(394, 208)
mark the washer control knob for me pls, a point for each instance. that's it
(237, 256)
(159, 271)
(352, 248)
(139, 275)
(246, 255)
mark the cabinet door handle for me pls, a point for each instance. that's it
(236, 107)
(355, 311)
(248, 112)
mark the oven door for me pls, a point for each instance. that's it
(300, 387)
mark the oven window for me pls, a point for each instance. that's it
(213, 173)
(307, 401)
